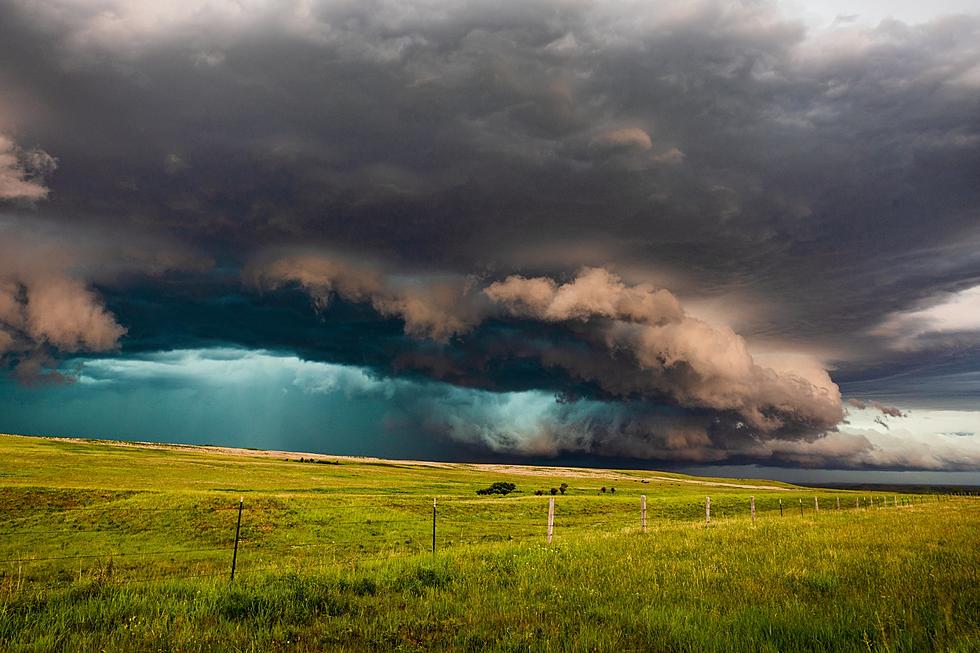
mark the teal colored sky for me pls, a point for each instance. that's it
(270, 400)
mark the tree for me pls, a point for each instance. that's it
(500, 487)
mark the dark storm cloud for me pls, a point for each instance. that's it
(432, 133)
(718, 149)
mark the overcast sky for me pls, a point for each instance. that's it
(675, 233)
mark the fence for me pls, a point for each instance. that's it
(57, 545)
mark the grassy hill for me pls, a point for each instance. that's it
(126, 546)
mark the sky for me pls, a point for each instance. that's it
(710, 235)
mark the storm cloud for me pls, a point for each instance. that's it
(696, 224)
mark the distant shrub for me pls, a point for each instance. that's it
(602, 489)
(538, 493)
(554, 490)
(612, 490)
(500, 487)
(563, 487)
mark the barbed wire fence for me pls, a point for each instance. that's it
(234, 545)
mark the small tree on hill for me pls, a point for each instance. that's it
(500, 487)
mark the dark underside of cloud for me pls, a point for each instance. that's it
(675, 218)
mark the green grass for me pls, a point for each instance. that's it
(336, 557)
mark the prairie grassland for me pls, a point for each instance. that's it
(109, 547)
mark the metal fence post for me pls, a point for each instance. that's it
(238, 530)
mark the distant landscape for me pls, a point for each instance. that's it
(123, 546)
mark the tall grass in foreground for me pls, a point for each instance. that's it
(900, 580)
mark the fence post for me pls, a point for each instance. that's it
(433, 526)
(753, 510)
(838, 503)
(238, 530)
(707, 511)
(857, 502)
(551, 517)
(643, 512)
(780, 507)
(801, 506)
(816, 504)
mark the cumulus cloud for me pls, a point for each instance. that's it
(695, 364)
(22, 172)
(44, 309)
(41, 306)
(64, 313)
(436, 307)
(48, 306)
(595, 292)
(631, 341)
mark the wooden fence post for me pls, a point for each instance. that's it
(551, 518)
(857, 502)
(801, 506)
(707, 511)
(643, 512)
(753, 510)
(238, 530)
(780, 507)
(816, 504)
(838, 503)
(433, 526)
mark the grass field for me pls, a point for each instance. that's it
(114, 547)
